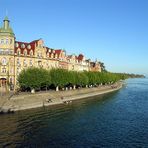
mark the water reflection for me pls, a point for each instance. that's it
(113, 120)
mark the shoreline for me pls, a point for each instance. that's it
(41, 99)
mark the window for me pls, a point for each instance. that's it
(31, 64)
(2, 41)
(47, 55)
(52, 55)
(4, 70)
(7, 41)
(56, 56)
(31, 53)
(18, 52)
(10, 41)
(39, 55)
(25, 52)
(11, 70)
(11, 80)
(18, 70)
(4, 61)
(23, 46)
(40, 45)
(29, 47)
(16, 45)
(40, 63)
(25, 63)
(18, 62)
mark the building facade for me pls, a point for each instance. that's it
(16, 56)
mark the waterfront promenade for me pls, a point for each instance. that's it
(24, 101)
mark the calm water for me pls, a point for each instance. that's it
(119, 119)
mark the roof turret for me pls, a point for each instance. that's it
(6, 30)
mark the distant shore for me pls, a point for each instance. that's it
(28, 101)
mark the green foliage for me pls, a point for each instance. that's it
(72, 75)
(81, 79)
(34, 78)
(37, 78)
(60, 77)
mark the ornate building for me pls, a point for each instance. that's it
(16, 56)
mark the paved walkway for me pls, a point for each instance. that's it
(39, 99)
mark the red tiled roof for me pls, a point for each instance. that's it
(80, 57)
(32, 45)
(58, 51)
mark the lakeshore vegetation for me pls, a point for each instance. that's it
(41, 79)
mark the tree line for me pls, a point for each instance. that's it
(41, 79)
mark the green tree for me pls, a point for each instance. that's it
(34, 78)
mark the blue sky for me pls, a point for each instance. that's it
(113, 31)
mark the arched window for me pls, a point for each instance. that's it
(25, 52)
(31, 53)
(55, 56)
(16, 44)
(29, 47)
(4, 61)
(18, 62)
(18, 52)
(23, 46)
(25, 63)
(52, 55)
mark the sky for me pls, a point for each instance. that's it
(112, 31)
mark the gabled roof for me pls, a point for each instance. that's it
(58, 51)
(26, 44)
(80, 57)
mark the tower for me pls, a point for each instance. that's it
(7, 37)
(7, 42)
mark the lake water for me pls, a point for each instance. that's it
(116, 120)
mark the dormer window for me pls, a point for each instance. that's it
(29, 47)
(23, 46)
(25, 52)
(18, 52)
(16, 45)
(56, 55)
(47, 55)
(51, 55)
(31, 53)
